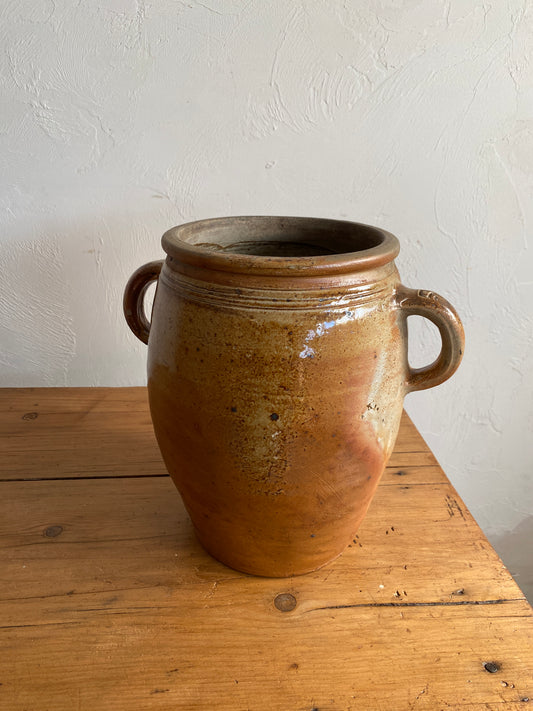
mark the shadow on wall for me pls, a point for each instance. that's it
(61, 303)
(38, 341)
(515, 547)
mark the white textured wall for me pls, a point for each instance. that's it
(121, 118)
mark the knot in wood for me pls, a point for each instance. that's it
(492, 667)
(53, 531)
(285, 602)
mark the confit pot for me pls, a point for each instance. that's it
(277, 370)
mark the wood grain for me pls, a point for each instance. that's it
(53, 433)
(107, 601)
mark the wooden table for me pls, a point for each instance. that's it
(108, 601)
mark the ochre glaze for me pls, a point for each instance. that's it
(276, 382)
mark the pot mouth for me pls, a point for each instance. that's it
(280, 245)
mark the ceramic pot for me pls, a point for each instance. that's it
(277, 369)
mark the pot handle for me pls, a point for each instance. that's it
(134, 293)
(418, 302)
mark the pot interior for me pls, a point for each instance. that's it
(277, 248)
(283, 237)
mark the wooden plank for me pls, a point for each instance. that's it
(250, 656)
(107, 432)
(77, 432)
(122, 609)
(60, 540)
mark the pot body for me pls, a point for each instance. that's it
(276, 400)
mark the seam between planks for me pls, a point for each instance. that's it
(452, 603)
(155, 476)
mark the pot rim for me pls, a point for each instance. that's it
(196, 243)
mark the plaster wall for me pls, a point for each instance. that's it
(120, 118)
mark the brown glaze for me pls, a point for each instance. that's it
(277, 368)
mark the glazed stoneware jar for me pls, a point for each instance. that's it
(277, 370)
